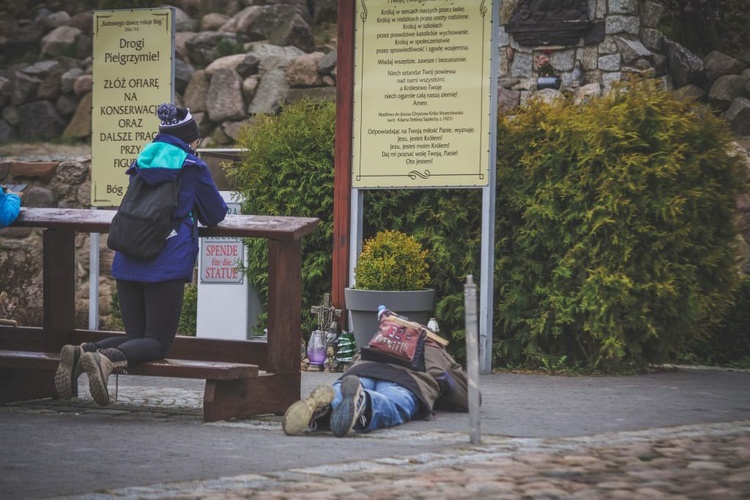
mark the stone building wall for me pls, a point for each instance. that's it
(619, 37)
(592, 44)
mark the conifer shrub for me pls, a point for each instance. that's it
(728, 342)
(392, 260)
(615, 229)
(287, 169)
(614, 237)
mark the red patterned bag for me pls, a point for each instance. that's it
(397, 341)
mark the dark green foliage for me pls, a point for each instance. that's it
(226, 47)
(706, 25)
(732, 26)
(615, 234)
(692, 24)
(189, 315)
(115, 316)
(287, 169)
(728, 343)
(615, 242)
(448, 224)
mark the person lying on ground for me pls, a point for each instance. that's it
(373, 395)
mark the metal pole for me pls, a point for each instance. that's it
(487, 274)
(472, 359)
(94, 281)
(356, 221)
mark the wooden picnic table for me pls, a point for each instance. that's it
(243, 377)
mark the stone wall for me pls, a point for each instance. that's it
(53, 182)
(612, 40)
(590, 44)
(274, 59)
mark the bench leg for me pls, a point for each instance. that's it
(225, 399)
(19, 384)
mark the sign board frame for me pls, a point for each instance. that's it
(422, 94)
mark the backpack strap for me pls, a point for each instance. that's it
(176, 184)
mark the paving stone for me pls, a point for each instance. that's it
(702, 465)
(573, 460)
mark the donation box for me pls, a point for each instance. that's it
(228, 306)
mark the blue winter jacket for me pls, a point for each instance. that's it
(10, 205)
(162, 161)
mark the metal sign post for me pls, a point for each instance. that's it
(423, 115)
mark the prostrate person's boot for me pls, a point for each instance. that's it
(303, 415)
(99, 365)
(70, 368)
(352, 412)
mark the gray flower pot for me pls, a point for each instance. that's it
(363, 306)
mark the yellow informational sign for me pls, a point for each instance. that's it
(133, 74)
(422, 88)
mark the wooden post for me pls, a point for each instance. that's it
(342, 172)
(284, 305)
(59, 283)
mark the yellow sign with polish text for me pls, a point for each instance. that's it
(133, 74)
(422, 99)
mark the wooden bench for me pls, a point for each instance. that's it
(243, 377)
(221, 378)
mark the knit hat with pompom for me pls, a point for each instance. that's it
(177, 122)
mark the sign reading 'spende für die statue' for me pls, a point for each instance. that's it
(422, 84)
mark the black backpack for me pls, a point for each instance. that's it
(144, 220)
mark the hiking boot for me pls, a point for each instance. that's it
(70, 368)
(98, 366)
(303, 415)
(351, 412)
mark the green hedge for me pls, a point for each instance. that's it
(287, 169)
(728, 343)
(614, 236)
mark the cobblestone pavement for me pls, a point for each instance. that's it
(709, 461)
(674, 435)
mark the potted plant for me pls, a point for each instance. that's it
(391, 271)
(547, 78)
